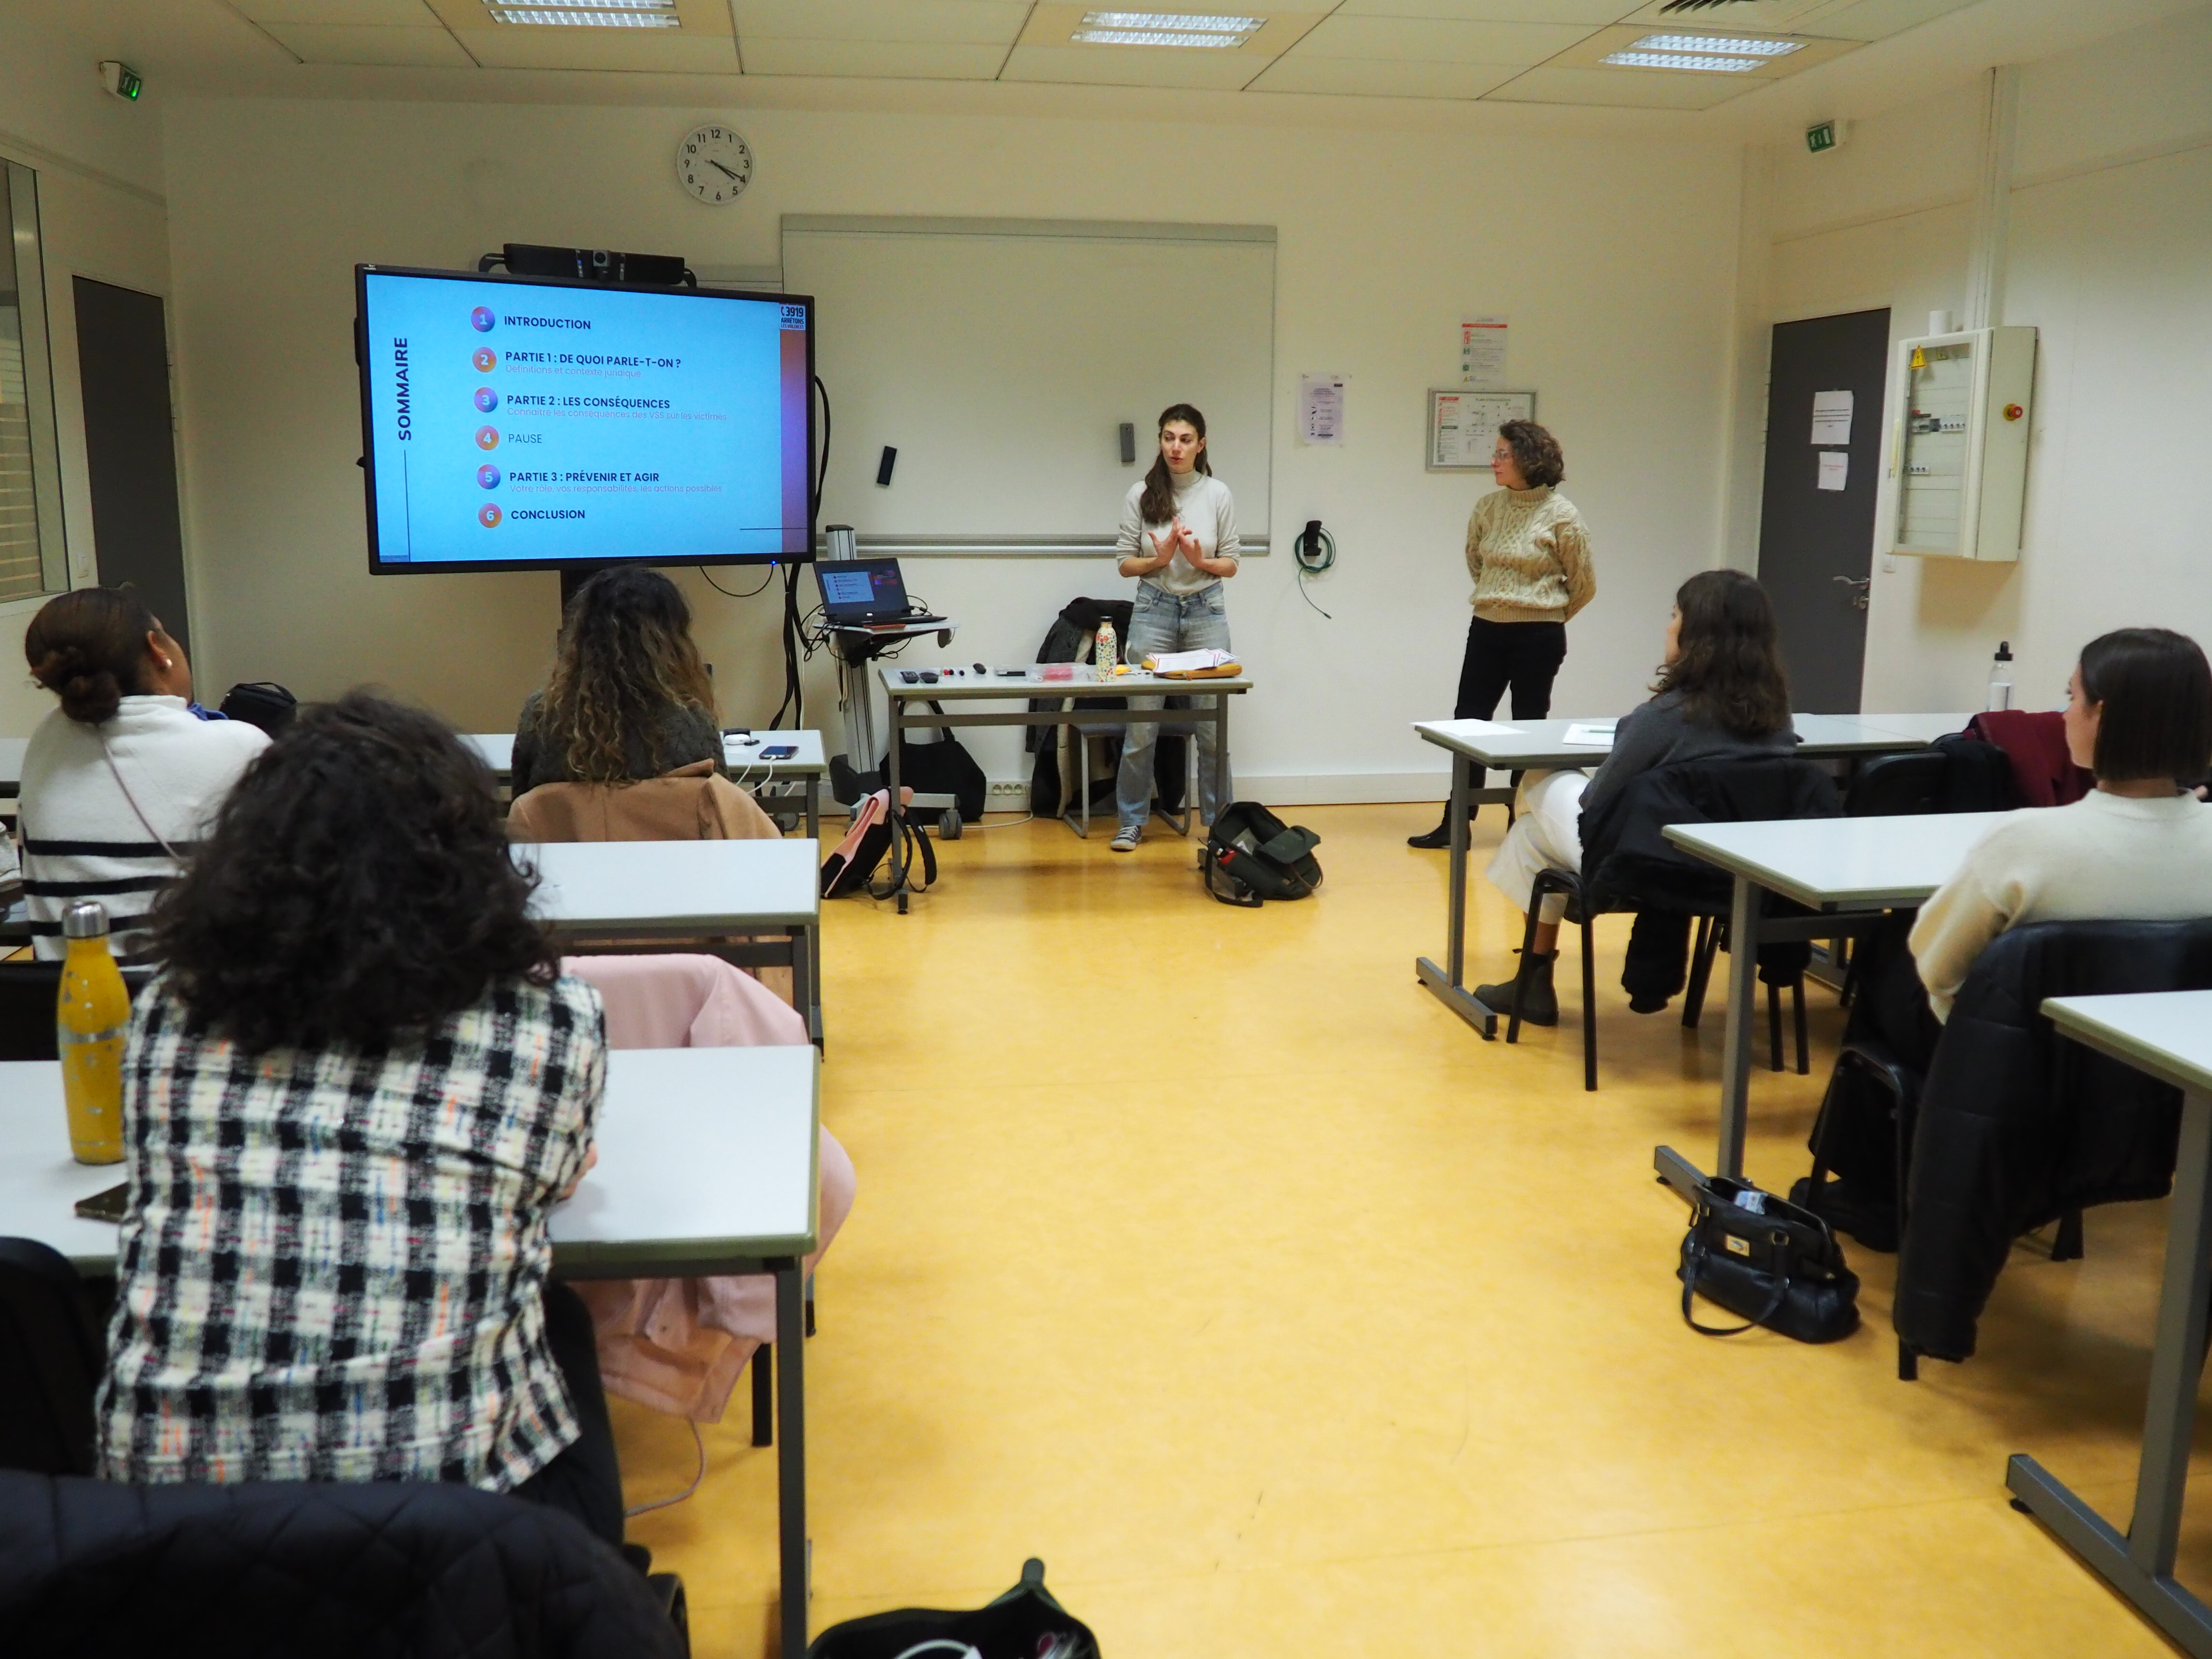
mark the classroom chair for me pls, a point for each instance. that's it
(52, 1352)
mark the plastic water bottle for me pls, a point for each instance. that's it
(2001, 678)
(1106, 653)
(91, 1020)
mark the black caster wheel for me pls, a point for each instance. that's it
(948, 825)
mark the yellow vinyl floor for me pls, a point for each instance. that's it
(1201, 1253)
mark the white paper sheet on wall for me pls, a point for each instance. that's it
(1831, 419)
(1482, 350)
(1835, 468)
(1321, 410)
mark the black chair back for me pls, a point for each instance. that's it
(1894, 785)
(50, 1355)
(28, 992)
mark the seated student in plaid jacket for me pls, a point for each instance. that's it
(351, 1097)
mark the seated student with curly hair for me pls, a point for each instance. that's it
(350, 1101)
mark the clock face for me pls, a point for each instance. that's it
(714, 164)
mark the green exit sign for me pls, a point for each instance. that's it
(1821, 137)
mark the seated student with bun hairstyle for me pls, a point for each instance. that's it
(351, 1100)
(121, 782)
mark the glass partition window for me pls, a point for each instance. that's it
(31, 555)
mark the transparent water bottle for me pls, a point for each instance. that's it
(1107, 651)
(2001, 678)
(91, 1019)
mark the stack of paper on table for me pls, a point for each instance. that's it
(1210, 662)
(1597, 734)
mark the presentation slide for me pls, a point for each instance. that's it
(521, 423)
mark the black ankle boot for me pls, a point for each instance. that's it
(1439, 837)
(1540, 1002)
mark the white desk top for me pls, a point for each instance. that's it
(1850, 862)
(2166, 1034)
(970, 686)
(705, 1155)
(674, 887)
(1524, 745)
(497, 749)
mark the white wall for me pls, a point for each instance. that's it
(2109, 247)
(99, 163)
(1614, 256)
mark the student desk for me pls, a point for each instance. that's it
(807, 768)
(707, 1164)
(1541, 746)
(608, 895)
(1849, 870)
(967, 688)
(2167, 1034)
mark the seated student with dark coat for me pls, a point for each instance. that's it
(628, 697)
(351, 1100)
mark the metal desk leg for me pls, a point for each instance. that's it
(1220, 753)
(1673, 1169)
(814, 806)
(897, 811)
(2139, 1564)
(791, 1455)
(807, 979)
(1449, 985)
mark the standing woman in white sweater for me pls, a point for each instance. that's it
(119, 782)
(1179, 539)
(1528, 553)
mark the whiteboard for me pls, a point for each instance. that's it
(1000, 358)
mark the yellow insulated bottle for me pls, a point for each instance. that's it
(90, 1022)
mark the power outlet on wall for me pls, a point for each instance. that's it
(1009, 789)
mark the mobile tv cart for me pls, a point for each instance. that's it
(854, 774)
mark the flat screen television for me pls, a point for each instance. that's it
(528, 423)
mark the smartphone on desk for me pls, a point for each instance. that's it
(778, 752)
(104, 1207)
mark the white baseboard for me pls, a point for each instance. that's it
(1304, 789)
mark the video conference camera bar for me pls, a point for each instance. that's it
(591, 265)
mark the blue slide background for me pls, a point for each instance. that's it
(714, 458)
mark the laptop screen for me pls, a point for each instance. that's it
(860, 587)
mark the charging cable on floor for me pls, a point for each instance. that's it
(697, 1476)
(1314, 552)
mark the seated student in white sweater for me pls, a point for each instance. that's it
(119, 782)
(2137, 848)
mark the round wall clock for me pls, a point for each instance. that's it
(713, 163)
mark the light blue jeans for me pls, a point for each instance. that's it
(1169, 622)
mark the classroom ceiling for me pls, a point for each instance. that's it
(1541, 51)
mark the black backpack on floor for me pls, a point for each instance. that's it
(1252, 856)
(1025, 1623)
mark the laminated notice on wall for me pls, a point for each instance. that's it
(1321, 410)
(1482, 350)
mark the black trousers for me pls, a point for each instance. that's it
(1525, 656)
(585, 1480)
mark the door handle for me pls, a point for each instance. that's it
(1860, 586)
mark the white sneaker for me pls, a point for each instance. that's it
(1125, 841)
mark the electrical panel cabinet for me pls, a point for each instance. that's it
(1958, 447)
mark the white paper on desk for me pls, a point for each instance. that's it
(1596, 734)
(1185, 662)
(1835, 468)
(1475, 728)
(1831, 417)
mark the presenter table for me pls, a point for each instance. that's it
(806, 768)
(666, 895)
(1478, 746)
(2167, 1034)
(707, 1164)
(1849, 870)
(964, 687)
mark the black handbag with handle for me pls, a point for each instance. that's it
(1768, 1261)
(1025, 1623)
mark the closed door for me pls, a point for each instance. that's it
(131, 452)
(1825, 383)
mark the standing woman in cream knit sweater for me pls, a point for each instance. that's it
(1528, 553)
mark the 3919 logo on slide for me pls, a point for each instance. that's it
(481, 319)
(485, 359)
(489, 516)
(486, 437)
(488, 477)
(486, 399)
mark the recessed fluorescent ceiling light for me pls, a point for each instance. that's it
(600, 14)
(1157, 29)
(1681, 60)
(1736, 45)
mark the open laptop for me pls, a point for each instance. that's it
(864, 593)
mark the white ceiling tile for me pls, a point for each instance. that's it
(666, 51)
(1132, 66)
(1624, 89)
(1877, 20)
(344, 42)
(880, 59)
(1589, 13)
(978, 21)
(1422, 40)
(1371, 77)
(384, 13)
